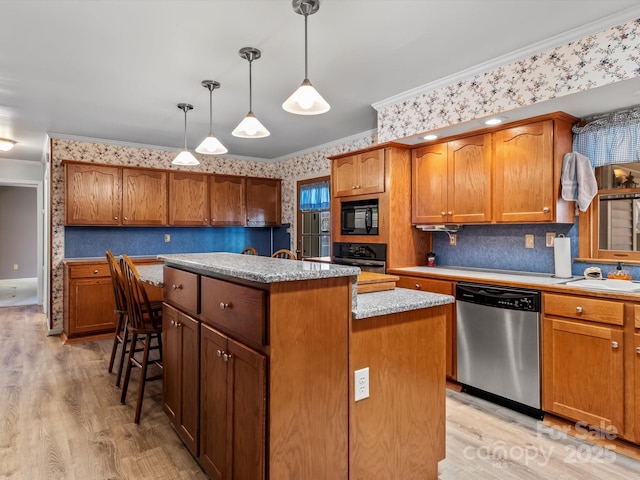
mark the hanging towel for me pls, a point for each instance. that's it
(578, 180)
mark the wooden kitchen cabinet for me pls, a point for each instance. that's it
(636, 382)
(451, 182)
(582, 361)
(444, 287)
(358, 174)
(233, 414)
(144, 197)
(188, 199)
(88, 303)
(181, 371)
(263, 202)
(227, 200)
(93, 194)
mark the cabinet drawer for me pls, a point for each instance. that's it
(181, 289)
(238, 310)
(88, 271)
(582, 308)
(426, 285)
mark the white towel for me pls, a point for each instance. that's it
(578, 180)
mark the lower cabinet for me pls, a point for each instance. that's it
(636, 391)
(181, 341)
(233, 415)
(444, 287)
(583, 361)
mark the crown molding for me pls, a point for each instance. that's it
(324, 146)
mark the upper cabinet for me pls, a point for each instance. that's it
(452, 181)
(188, 199)
(227, 201)
(263, 202)
(507, 175)
(358, 174)
(144, 197)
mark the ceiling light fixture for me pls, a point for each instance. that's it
(211, 145)
(494, 121)
(250, 126)
(185, 157)
(306, 100)
(431, 136)
(6, 144)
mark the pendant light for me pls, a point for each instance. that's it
(306, 100)
(185, 157)
(211, 145)
(6, 144)
(250, 126)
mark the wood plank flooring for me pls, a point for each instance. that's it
(61, 418)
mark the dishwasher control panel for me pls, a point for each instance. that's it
(499, 296)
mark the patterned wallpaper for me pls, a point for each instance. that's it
(601, 59)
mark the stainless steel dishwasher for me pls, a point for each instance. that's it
(498, 344)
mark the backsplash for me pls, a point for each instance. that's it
(149, 241)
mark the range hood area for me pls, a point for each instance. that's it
(439, 228)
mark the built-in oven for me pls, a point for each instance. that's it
(370, 257)
(359, 217)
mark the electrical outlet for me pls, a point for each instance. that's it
(550, 237)
(15, 266)
(361, 383)
(529, 241)
(452, 239)
(167, 238)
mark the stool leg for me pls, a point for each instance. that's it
(123, 353)
(127, 372)
(143, 377)
(116, 340)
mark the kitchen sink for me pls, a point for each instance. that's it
(605, 284)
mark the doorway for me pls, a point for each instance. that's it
(314, 218)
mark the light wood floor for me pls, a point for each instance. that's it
(61, 418)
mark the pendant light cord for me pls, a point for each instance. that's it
(306, 54)
(185, 128)
(210, 111)
(250, 89)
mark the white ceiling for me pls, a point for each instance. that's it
(115, 70)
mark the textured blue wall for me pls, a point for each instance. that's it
(502, 247)
(95, 241)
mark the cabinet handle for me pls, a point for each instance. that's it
(172, 323)
(95, 272)
(442, 213)
(126, 218)
(219, 353)
(206, 219)
(224, 306)
(177, 324)
(176, 287)
(418, 286)
(449, 213)
(226, 357)
(545, 210)
(578, 309)
(638, 350)
(115, 218)
(614, 344)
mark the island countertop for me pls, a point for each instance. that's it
(270, 270)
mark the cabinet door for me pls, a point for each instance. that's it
(429, 184)
(469, 191)
(91, 306)
(188, 199)
(524, 183)
(345, 176)
(636, 394)
(247, 397)
(227, 200)
(263, 202)
(170, 364)
(144, 197)
(444, 287)
(188, 421)
(371, 172)
(583, 372)
(93, 194)
(213, 403)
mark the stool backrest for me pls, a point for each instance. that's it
(141, 314)
(284, 253)
(117, 282)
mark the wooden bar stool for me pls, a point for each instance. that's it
(145, 327)
(284, 253)
(120, 309)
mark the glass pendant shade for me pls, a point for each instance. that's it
(306, 101)
(211, 146)
(250, 127)
(185, 157)
(6, 144)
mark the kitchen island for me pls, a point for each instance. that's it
(272, 345)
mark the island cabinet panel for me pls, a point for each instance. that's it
(182, 289)
(582, 367)
(188, 199)
(446, 288)
(399, 431)
(635, 397)
(144, 197)
(181, 367)
(233, 383)
(359, 174)
(227, 200)
(93, 194)
(263, 202)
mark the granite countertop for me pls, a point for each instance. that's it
(256, 268)
(394, 301)
(151, 274)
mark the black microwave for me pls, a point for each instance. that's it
(359, 218)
